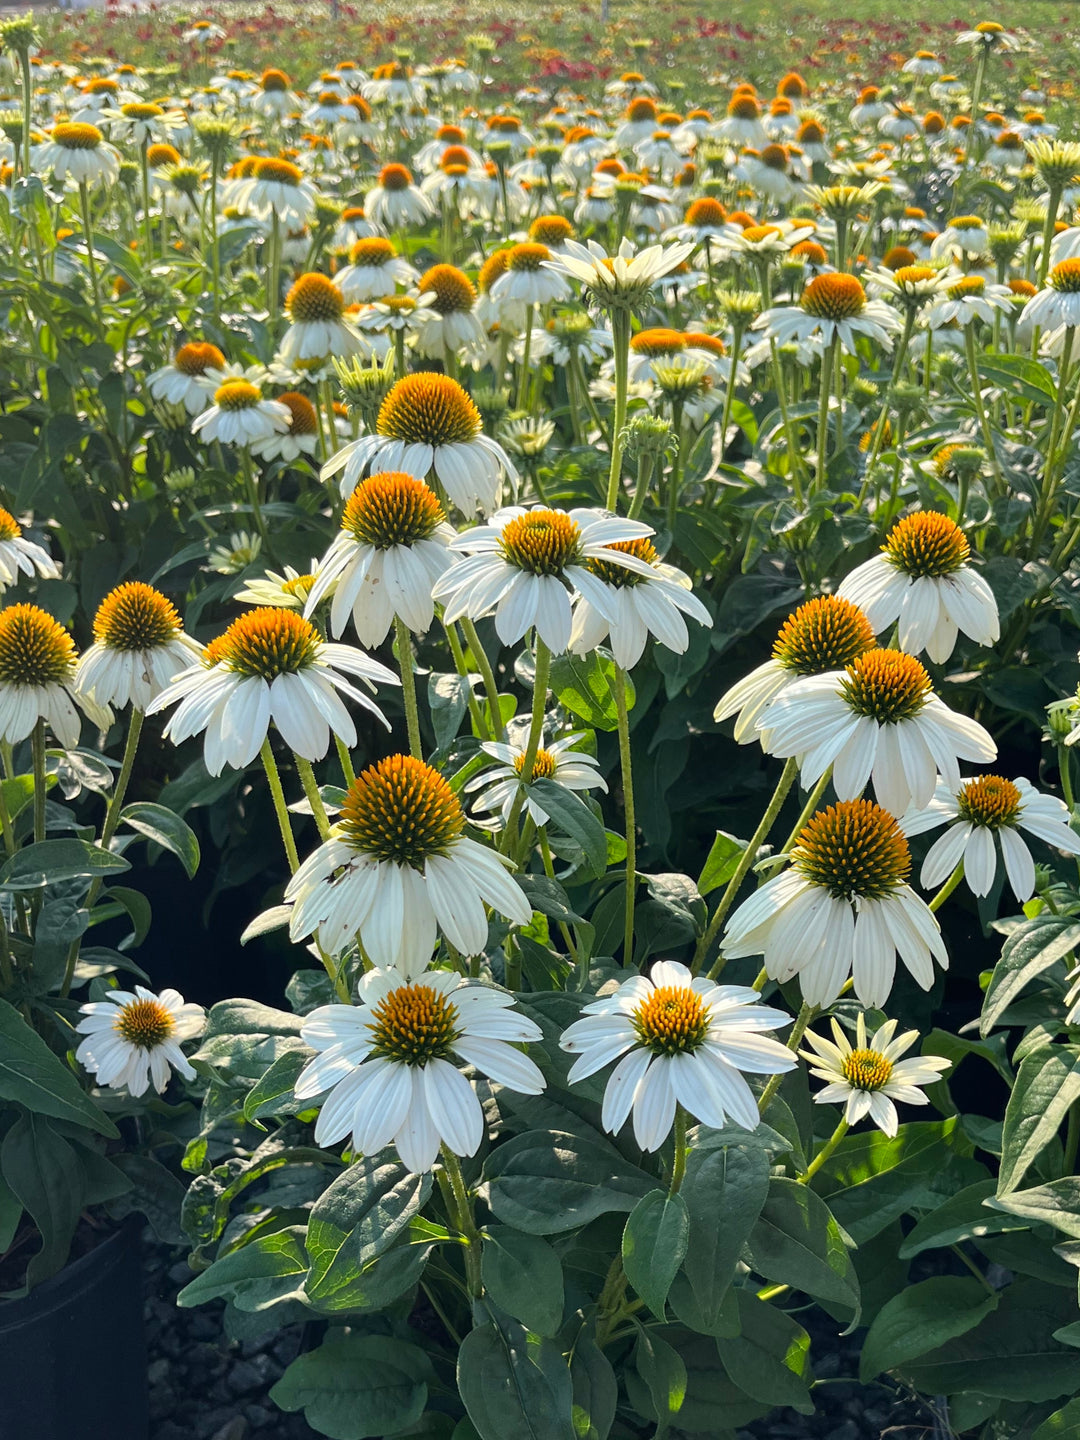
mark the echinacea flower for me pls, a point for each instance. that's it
(316, 307)
(449, 322)
(521, 563)
(78, 153)
(375, 269)
(191, 379)
(867, 1077)
(966, 299)
(624, 280)
(269, 665)
(288, 591)
(428, 423)
(989, 35)
(394, 202)
(833, 307)
(679, 1040)
(139, 647)
(397, 868)
(301, 437)
(923, 581)
(37, 678)
(843, 908)
(19, 556)
(241, 416)
(391, 549)
(1059, 303)
(276, 188)
(132, 1040)
(557, 760)
(977, 811)
(527, 279)
(388, 1066)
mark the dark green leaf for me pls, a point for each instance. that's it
(1047, 1084)
(523, 1275)
(585, 685)
(797, 1242)
(515, 1385)
(724, 1189)
(548, 1181)
(33, 1076)
(266, 1270)
(1030, 949)
(596, 1390)
(50, 861)
(44, 1174)
(921, 1318)
(963, 1217)
(653, 1245)
(570, 814)
(770, 1357)
(356, 1219)
(357, 1386)
(165, 827)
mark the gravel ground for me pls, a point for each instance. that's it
(204, 1386)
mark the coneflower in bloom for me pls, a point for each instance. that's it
(77, 153)
(375, 269)
(191, 379)
(139, 646)
(132, 1039)
(19, 556)
(394, 202)
(37, 678)
(317, 329)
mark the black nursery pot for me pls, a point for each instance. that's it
(73, 1351)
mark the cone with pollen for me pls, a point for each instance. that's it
(498, 788)
(132, 1040)
(867, 1077)
(139, 647)
(37, 678)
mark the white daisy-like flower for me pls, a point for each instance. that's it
(269, 665)
(19, 556)
(132, 1040)
(196, 371)
(879, 719)
(288, 591)
(77, 153)
(388, 1066)
(742, 125)
(37, 678)
(975, 812)
(394, 202)
(375, 269)
(449, 323)
(525, 563)
(556, 760)
(527, 279)
(399, 868)
(922, 580)
(833, 307)
(867, 1077)
(391, 549)
(201, 32)
(428, 423)
(989, 35)
(302, 435)
(276, 188)
(641, 604)
(843, 909)
(275, 96)
(624, 279)
(1059, 303)
(682, 1041)
(964, 235)
(139, 647)
(923, 62)
(241, 416)
(316, 307)
(825, 634)
(969, 298)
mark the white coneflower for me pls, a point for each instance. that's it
(391, 549)
(527, 279)
(742, 124)
(679, 1040)
(398, 868)
(832, 307)
(139, 646)
(388, 1066)
(923, 582)
(867, 1077)
(557, 760)
(964, 235)
(269, 665)
(975, 812)
(288, 591)
(19, 556)
(241, 416)
(317, 329)
(37, 678)
(79, 154)
(843, 908)
(191, 379)
(132, 1040)
(142, 122)
(1059, 303)
(523, 565)
(375, 269)
(240, 550)
(394, 202)
(429, 423)
(274, 95)
(276, 188)
(625, 279)
(989, 35)
(968, 298)
(302, 436)
(201, 32)
(879, 719)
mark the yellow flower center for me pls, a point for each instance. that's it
(237, 395)
(672, 1021)
(965, 222)
(280, 172)
(452, 288)
(135, 616)
(990, 27)
(887, 686)
(927, 543)
(299, 586)
(10, 529)
(824, 634)
(314, 298)
(657, 342)
(854, 850)
(302, 417)
(968, 287)
(266, 643)
(744, 107)
(866, 1069)
(990, 801)
(197, 357)
(395, 177)
(913, 275)
(392, 509)
(775, 157)
(551, 230)
(543, 542)
(753, 234)
(34, 649)
(374, 251)
(144, 1023)
(138, 111)
(529, 256)
(413, 1025)
(641, 109)
(275, 80)
(618, 575)
(1065, 276)
(401, 811)
(543, 766)
(706, 212)
(429, 409)
(834, 297)
(329, 98)
(77, 135)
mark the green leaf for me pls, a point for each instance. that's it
(921, 1318)
(47, 862)
(547, 1181)
(44, 1173)
(770, 1357)
(1019, 376)
(155, 1192)
(570, 814)
(585, 685)
(11, 1213)
(1030, 949)
(721, 863)
(1057, 1203)
(33, 1076)
(661, 1367)
(18, 793)
(273, 1094)
(166, 829)
(357, 1386)
(596, 1391)
(1047, 1084)
(514, 1384)
(963, 1217)
(653, 1246)
(523, 1275)
(1012, 1354)
(356, 1219)
(448, 699)
(268, 1269)
(724, 1189)
(797, 1242)
(1063, 1424)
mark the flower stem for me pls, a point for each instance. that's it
(266, 755)
(897, 371)
(314, 799)
(620, 335)
(823, 413)
(946, 890)
(784, 784)
(626, 765)
(252, 486)
(408, 686)
(88, 234)
(345, 760)
(483, 664)
(37, 747)
(678, 1166)
(824, 1153)
(798, 1030)
(526, 351)
(536, 730)
(980, 408)
(478, 717)
(465, 1221)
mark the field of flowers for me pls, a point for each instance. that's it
(572, 535)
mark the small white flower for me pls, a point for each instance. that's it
(636, 606)
(139, 647)
(37, 678)
(833, 307)
(867, 1077)
(240, 415)
(19, 556)
(556, 760)
(132, 1040)
(679, 1040)
(624, 279)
